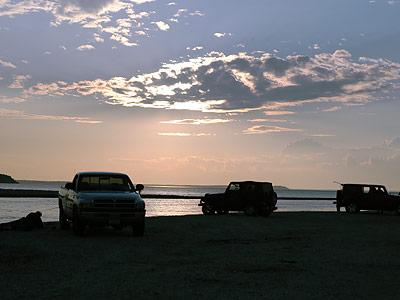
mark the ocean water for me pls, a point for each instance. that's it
(15, 208)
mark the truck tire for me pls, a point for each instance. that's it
(138, 228)
(62, 219)
(398, 210)
(78, 226)
(208, 209)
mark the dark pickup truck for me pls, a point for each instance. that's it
(356, 197)
(251, 197)
(101, 198)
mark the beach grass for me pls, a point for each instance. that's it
(299, 255)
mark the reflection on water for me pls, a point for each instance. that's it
(15, 208)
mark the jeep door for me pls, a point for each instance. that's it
(233, 197)
(366, 198)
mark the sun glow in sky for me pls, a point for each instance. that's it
(300, 93)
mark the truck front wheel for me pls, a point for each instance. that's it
(138, 228)
(78, 226)
(62, 219)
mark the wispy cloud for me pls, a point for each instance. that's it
(268, 120)
(16, 114)
(85, 47)
(279, 113)
(196, 121)
(269, 129)
(7, 64)
(184, 134)
(221, 34)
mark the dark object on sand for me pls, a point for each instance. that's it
(101, 198)
(31, 221)
(254, 198)
(356, 197)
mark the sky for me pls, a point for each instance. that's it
(299, 93)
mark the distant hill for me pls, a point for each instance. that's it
(6, 179)
(280, 187)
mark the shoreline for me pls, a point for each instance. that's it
(20, 193)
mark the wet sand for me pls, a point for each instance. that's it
(286, 256)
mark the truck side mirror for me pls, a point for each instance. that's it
(139, 187)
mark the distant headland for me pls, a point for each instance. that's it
(7, 179)
(280, 187)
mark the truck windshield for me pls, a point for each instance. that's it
(89, 183)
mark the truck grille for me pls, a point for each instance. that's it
(113, 205)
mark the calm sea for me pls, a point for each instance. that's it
(14, 208)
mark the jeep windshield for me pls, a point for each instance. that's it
(94, 183)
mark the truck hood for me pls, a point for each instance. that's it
(124, 196)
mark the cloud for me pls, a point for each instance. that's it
(268, 129)
(244, 82)
(197, 13)
(162, 25)
(7, 64)
(18, 82)
(16, 114)
(268, 120)
(221, 34)
(184, 134)
(98, 38)
(394, 143)
(196, 121)
(85, 47)
(279, 113)
(6, 99)
(197, 48)
(180, 12)
(364, 164)
(96, 15)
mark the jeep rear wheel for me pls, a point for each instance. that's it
(398, 210)
(352, 208)
(266, 210)
(208, 209)
(250, 210)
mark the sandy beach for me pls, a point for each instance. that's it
(286, 256)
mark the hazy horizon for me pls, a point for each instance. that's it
(298, 93)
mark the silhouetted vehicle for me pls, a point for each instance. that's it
(356, 197)
(101, 198)
(254, 198)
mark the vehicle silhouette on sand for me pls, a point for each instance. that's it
(251, 197)
(101, 199)
(356, 197)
